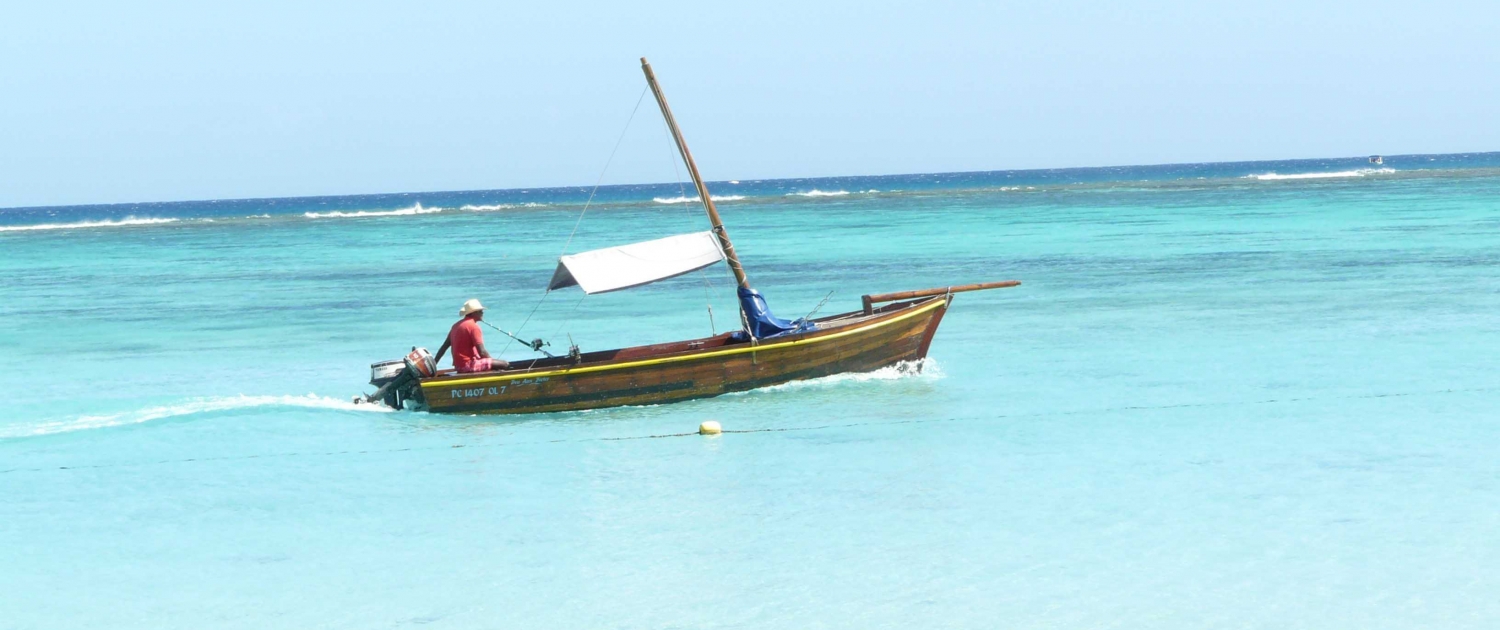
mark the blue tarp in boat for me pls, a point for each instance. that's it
(762, 323)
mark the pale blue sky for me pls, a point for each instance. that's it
(115, 102)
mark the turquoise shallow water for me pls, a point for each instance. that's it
(1218, 401)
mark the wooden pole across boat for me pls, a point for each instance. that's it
(708, 202)
(871, 300)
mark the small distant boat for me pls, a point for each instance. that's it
(1375, 159)
(890, 329)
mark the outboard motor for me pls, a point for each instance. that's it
(399, 381)
(420, 361)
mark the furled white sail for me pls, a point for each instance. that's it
(626, 266)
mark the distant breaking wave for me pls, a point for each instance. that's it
(85, 224)
(336, 214)
(188, 408)
(696, 199)
(1357, 173)
(831, 193)
(819, 193)
(499, 206)
(415, 209)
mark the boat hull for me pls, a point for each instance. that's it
(852, 342)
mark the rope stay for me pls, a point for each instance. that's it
(607, 163)
(708, 285)
(640, 99)
(820, 306)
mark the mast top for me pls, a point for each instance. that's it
(708, 203)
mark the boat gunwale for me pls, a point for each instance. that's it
(911, 309)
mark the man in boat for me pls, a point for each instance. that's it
(467, 341)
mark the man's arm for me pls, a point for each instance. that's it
(498, 364)
(441, 351)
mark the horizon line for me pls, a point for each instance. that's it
(725, 181)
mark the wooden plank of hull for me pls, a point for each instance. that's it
(899, 332)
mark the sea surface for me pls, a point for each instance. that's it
(1248, 395)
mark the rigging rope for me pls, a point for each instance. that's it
(569, 318)
(585, 211)
(815, 310)
(599, 181)
(708, 284)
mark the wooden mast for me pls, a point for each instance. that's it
(708, 202)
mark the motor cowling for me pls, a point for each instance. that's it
(420, 362)
(386, 371)
(399, 380)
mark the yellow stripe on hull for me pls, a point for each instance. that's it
(689, 357)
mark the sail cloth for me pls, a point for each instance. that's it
(626, 266)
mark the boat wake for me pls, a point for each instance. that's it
(127, 221)
(1328, 175)
(192, 407)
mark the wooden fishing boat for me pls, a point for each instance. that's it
(890, 329)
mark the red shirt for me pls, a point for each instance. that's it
(464, 338)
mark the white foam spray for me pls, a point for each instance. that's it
(186, 408)
(923, 369)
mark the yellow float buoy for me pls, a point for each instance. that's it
(710, 427)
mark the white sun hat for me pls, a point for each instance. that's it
(470, 307)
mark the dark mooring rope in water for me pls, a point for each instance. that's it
(819, 427)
